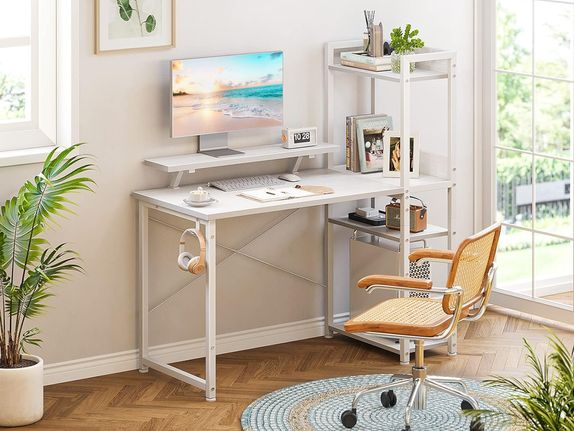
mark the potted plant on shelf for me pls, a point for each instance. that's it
(544, 400)
(404, 43)
(29, 268)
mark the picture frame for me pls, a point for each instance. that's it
(391, 155)
(370, 142)
(125, 25)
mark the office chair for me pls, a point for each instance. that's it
(465, 298)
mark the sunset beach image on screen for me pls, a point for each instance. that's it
(222, 94)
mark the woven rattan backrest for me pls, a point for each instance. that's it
(470, 266)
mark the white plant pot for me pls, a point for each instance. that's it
(22, 394)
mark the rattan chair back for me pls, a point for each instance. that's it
(470, 268)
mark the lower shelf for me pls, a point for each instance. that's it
(389, 344)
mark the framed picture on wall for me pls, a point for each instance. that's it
(370, 136)
(392, 155)
(134, 24)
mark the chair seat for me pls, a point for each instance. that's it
(403, 316)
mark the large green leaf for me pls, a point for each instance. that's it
(15, 235)
(150, 23)
(45, 195)
(54, 265)
(125, 9)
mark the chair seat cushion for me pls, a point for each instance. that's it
(403, 316)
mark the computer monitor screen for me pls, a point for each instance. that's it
(228, 93)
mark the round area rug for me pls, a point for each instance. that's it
(318, 405)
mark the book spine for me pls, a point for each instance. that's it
(348, 144)
(355, 164)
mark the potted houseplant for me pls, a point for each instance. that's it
(29, 268)
(404, 43)
(543, 401)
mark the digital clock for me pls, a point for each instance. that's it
(298, 138)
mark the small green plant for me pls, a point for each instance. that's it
(29, 267)
(407, 41)
(543, 401)
(126, 11)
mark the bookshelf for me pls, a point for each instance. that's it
(431, 65)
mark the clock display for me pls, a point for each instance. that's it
(301, 137)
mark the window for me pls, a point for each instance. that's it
(28, 81)
(532, 153)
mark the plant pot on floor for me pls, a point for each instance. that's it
(22, 393)
(396, 62)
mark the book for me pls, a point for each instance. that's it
(370, 137)
(272, 194)
(370, 67)
(352, 163)
(362, 57)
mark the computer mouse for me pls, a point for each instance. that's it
(292, 178)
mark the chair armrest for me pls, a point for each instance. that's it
(395, 281)
(431, 254)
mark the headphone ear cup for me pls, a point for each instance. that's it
(183, 260)
(192, 264)
(198, 268)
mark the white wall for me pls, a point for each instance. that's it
(124, 118)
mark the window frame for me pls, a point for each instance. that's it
(32, 146)
(486, 145)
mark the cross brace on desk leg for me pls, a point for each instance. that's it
(145, 361)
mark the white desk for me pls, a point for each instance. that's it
(347, 187)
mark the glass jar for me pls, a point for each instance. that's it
(396, 61)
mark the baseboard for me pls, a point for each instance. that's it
(175, 352)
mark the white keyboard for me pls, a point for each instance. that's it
(245, 183)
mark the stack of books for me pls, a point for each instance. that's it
(362, 60)
(376, 125)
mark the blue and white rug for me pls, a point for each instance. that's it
(318, 405)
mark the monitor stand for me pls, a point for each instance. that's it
(216, 145)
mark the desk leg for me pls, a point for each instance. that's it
(328, 273)
(210, 308)
(143, 222)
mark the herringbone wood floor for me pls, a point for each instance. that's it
(134, 401)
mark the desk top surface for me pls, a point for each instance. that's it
(346, 185)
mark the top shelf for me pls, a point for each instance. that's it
(416, 76)
(192, 162)
(431, 63)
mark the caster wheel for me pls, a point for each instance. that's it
(465, 405)
(476, 425)
(349, 418)
(388, 399)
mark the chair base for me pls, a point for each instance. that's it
(420, 381)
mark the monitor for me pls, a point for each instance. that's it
(215, 95)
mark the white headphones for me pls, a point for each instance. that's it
(187, 261)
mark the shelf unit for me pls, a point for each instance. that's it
(431, 65)
(178, 165)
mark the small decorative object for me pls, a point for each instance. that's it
(418, 215)
(377, 41)
(402, 44)
(29, 268)
(131, 24)
(199, 195)
(299, 138)
(199, 198)
(392, 155)
(369, 20)
(370, 139)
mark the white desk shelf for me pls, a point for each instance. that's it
(431, 65)
(190, 163)
(430, 232)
